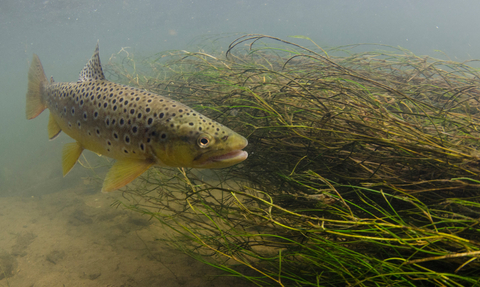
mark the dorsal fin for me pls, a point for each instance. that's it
(93, 69)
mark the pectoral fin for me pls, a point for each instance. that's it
(123, 172)
(70, 154)
(53, 128)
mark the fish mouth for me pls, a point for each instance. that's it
(235, 155)
(225, 159)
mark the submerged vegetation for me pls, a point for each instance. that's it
(363, 166)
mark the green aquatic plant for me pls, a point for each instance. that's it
(363, 166)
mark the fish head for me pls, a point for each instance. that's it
(199, 146)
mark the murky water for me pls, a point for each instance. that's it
(56, 230)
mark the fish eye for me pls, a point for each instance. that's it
(203, 141)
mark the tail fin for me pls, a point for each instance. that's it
(36, 82)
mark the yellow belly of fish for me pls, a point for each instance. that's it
(93, 142)
(125, 169)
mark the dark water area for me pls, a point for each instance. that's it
(56, 230)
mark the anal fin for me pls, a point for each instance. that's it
(53, 128)
(123, 172)
(70, 154)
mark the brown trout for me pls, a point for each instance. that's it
(137, 128)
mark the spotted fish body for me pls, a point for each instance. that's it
(137, 128)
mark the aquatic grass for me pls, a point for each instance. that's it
(363, 166)
(377, 245)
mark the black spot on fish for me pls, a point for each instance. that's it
(149, 121)
(180, 111)
(73, 111)
(161, 115)
(105, 105)
(190, 124)
(121, 121)
(142, 147)
(125, 151)
(147, 110)
(163, 136)
(125, 103)
(127, 139)
(134, 129)
(139, 115)
(115, 135)
(132, 111)
(113, 122)
(95, 115)
(109, 143)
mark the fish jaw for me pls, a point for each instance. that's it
(231, 154)
(225, 160)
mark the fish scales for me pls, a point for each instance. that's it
(120, 121)
(136, 127)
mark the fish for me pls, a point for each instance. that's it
(137, 128)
